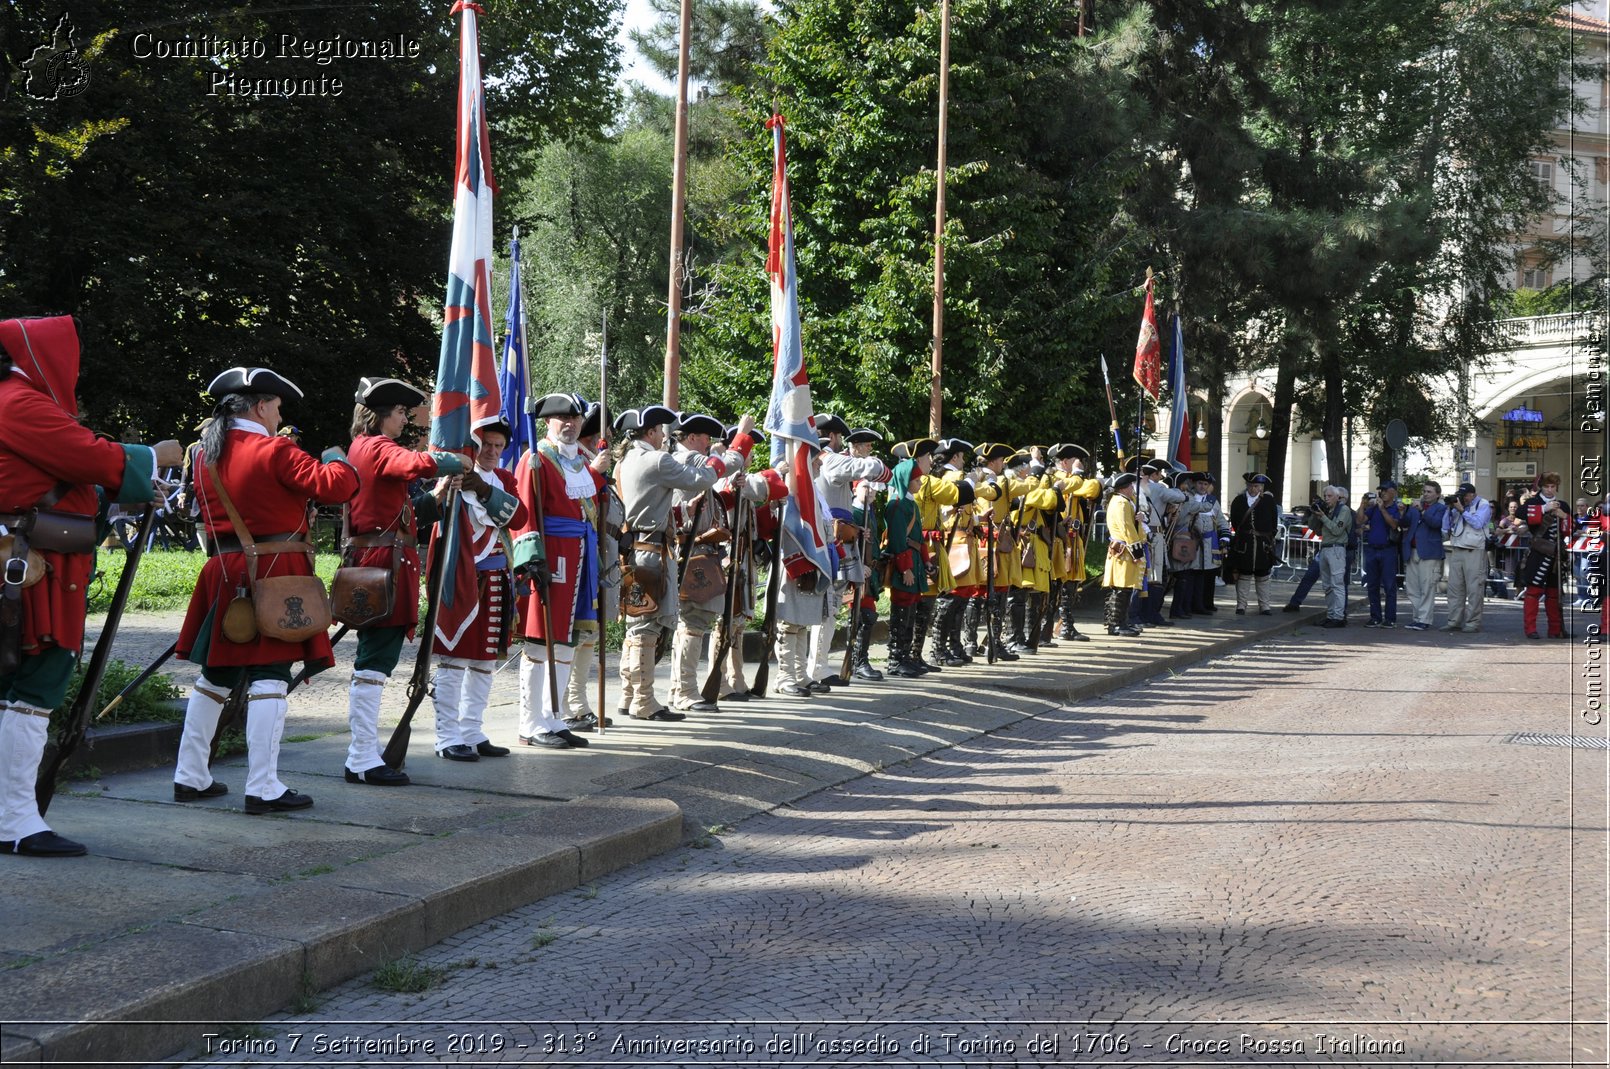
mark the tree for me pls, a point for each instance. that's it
(192, 222)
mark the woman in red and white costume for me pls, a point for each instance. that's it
(386, 517)
(468, 645)
(270, 483)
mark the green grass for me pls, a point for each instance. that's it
(408, 976)
(150, 703)
(165, 580)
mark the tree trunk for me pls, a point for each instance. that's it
(1280, 419)
(1335, 413)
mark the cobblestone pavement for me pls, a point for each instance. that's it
(1306, 853)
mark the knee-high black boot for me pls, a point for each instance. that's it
(1070, 602)
(919, 636)
(953, 631)
(970, 620)
(1048, 615)
(900, 624)
(997, 622)
(1035, 612)
(1017, 607)
(860, 661)
(1186, 586)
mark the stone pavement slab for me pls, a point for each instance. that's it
(379, 873)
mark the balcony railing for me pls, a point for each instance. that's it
(1541, 330)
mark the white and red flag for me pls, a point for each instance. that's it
(788, 416)
(1149, 347)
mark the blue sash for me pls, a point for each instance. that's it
(586, 607)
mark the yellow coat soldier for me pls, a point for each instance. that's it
(1031, 517)
(955, 547)
(1126, 555)
(1080, 495)
(931, 494)
(996, 491)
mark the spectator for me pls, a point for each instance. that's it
(1423, 554)
(1511, 525)
(1541, 574)
(1464, 529)
(1311, 576)
(1335, 522)
(1381, 523)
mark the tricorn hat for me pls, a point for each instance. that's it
(642, 419)
(1183, 477)
(863, 434)
(1129, 478)
(827, 423)
(995, 451)
(949, 447)
(499, 427)
(253, 380)
(559, 406)
(754, 433)
(915, 448)
(1257, 477)
(698, 423)
(377, 393)
(1069, 451)
(1135, 464)
(593, 425)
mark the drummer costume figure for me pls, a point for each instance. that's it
(269, 483)
(49, 461)
(469, 644)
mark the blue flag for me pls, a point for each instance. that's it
(514, 378)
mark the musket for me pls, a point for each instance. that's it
(1112, 410)
(396, 751)
(308, 670)
(542, 587)
(729, 610)
(989, 586)
(773, 583)
(57, 752)
(139, 680)
(234, 709)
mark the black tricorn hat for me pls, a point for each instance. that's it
(1069, 451)
(995, 450)
(915, 448)
(559, 406)
(698, 423)
(642, 419)
(1183, 477)
(384, 393)
(754, 433)
(593, 424)
(253, 380)
(863, 434)
(499, 427)
(1128, 478)
(827, 423)
(1134, 464)
(949, 447)
(1257, 477)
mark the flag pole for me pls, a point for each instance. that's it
(936, 398)
(679, 183)
(603, 512)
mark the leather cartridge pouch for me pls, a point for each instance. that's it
(361, 595)
(642, 585)
(62, 532)
(961, 557)
(845, 533)
(32, 566)
(21, 566)
(1026, 555)
(703, 580)
(289, 608)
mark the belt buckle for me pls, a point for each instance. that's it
(16, 572)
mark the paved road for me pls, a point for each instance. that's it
(1331, 834)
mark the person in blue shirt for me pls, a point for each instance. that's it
(1381, 523)
(1422, 554)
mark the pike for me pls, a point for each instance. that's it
(857, 592)
(774, 582)
(59, 750)
(603, 509)
(990, 632)
(1112, 411)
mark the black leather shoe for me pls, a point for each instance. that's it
(486, 749)
(461, 752)
(1266, 612)
(545, 738)
(903, 670)
(185, 793)
(590, 723)
(664, 716)
(1241, 612)
(952, 661)
(379, 776)
(736, 696)
(43, 844)
(285, 803)
(1292, 608)
(1129, 632)
(789, 690)
(702, 706)
(819, 686)
(867, 672)
(571, 737)
(834, 680)
(1159, 622)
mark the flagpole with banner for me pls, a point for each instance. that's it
(803, 539)
(1180, 412)
(466, 398)
(1148, 363)
(514, 378)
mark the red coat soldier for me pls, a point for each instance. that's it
(48, 462)
(245, 470)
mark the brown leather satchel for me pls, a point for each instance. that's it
(960, 557)
(703, 580)
(360, 595)
(642, 585)
(1026, 555)
(290, 608)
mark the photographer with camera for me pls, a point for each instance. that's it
(1382, 522)
(1423, 554)
(1333, 519)
(1464, 532)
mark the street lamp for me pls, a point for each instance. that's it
(1262, 430)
